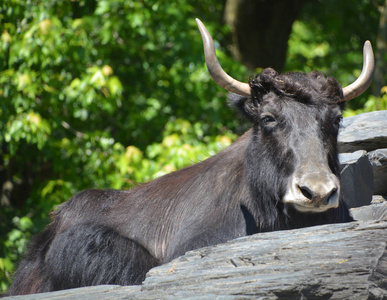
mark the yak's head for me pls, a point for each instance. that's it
(296, 118)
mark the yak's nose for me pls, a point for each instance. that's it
(315, 191)
(318, 192)
(318, 187)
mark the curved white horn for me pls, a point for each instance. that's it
(220, 77)
(363, 82)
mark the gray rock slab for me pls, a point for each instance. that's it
(370, 212)
(338, 261)
(317, 262)
(357, 178)
(92, 292)
(377, 199)
(367, 131)
(378, 159)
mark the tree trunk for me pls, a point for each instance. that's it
(260, 30)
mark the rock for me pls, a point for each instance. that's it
(357, 178)
(337, 261)
(377, 199)
(317, 262)
(92, 292)
(378, 159)
(367, 131)
(370, 212)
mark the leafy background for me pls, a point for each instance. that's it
(108, 93)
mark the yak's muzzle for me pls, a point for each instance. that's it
(315, 191)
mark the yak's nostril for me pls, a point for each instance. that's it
(306, 192)
(334, 191)
(324, 199)
(321, 197)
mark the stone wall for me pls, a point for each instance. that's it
(363, 147)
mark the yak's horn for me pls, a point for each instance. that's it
(363, 82)
(220, 77)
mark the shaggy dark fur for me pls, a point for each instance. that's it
(115, 237)
(84, 255)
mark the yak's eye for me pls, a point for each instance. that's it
(268, 119)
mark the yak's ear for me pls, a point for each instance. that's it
(247, 106)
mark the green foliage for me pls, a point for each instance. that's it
(100, 94)
(13, 247)
(373, 103)
(333, 42)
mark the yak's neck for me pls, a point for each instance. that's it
(264, 208)
(233, 177)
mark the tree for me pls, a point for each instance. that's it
(264, 31)
(332, 42)
(260, 30)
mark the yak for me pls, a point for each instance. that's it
(283, 173)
